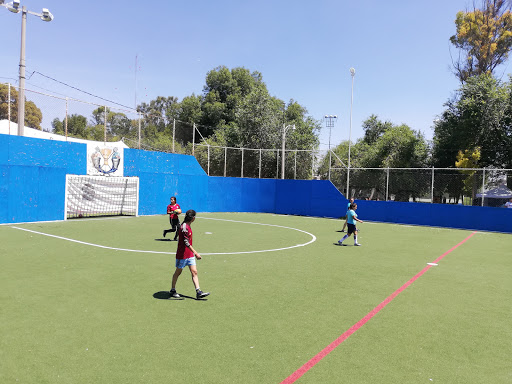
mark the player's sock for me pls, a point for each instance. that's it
(355, 239)
(342, 240)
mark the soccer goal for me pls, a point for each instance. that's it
(89, 196)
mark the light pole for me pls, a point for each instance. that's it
(285, 127)
(352, 73)
(329, 123)
(45, 15)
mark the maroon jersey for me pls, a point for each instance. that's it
(173, 207)
(185, 240)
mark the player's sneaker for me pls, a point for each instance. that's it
(340, 242)
(175, 294)
(201, 294)
(357, 245)
(342, 230)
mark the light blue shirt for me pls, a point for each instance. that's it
(351, 215)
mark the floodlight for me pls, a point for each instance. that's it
(13, 6)
(47, 15)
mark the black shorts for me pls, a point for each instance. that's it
(351, 228)
(174, 222)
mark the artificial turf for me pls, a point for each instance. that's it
(75, 313)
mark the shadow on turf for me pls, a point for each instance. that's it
(165, 240)
(166, 295)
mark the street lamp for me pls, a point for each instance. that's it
(329, 123)
(292, 126)
(45, 15)
(352, 73)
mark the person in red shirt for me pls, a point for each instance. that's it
(173, 210)
(185, 256)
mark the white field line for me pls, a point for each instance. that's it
(90, 244)
(313, 239)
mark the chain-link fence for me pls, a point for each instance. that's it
(468, 186)
(76, 118)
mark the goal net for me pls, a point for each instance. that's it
(88, 196)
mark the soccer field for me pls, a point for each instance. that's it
(86, 301)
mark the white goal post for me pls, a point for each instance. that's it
(89, 196)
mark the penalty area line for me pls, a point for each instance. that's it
(323, 353)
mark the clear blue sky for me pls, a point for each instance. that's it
(304, 49)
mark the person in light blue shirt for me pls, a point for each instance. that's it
(351, 223)
(350, 202)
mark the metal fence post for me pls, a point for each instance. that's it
(277, 169)
(225, 159)
(105, 125)
(208, 160)
(66, 120)
(432, 194)
(295, 170)
(242, 172)
(483, 187)
(173, 134)
(9, 107)
(312, 164)
(193, 139)
(329, 172)
(259, 172)
(140, 118)
(387, 184)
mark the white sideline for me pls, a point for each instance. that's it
(313, 239)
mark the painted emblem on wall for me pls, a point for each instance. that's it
(106, 160)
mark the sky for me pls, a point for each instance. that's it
(304, 50)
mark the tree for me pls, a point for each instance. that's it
(117, 124)
(384, 146)
(469, 159)
(483, 37)
(160, 112)
(477, 116)
(33, 115)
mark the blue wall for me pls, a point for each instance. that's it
(162, 175)
(33, 174)
(33, 177)
(438, 215)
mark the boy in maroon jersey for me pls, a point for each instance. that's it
(185, 256)
(173, 210)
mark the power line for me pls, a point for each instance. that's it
(78, 89)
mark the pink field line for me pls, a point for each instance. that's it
(311, 363)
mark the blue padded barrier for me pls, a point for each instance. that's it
(437, 215)
(258, 195)
(137, 161)
(293, 197)
(4, 193)
(225, 194)
(34, 177)
(32, 188)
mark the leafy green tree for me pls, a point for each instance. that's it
(160, 112)
(483, 37)
(33, 115)
(374, 128)
(477, 116)
(118, 124)
(77, 126)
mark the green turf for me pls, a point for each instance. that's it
(73, 313)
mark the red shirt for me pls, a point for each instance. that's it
(184, 241)
(173, 207)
